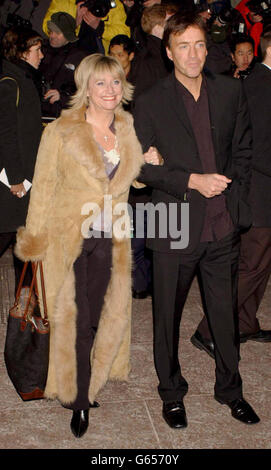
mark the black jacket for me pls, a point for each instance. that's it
(149, 65)
(258, 91)
(57, 67)
(20, 132)
(161, 123)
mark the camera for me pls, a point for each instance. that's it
(245, 73)
(16, 21)
(230, 17)
(98, 8)
(45, 86)
(262, 8)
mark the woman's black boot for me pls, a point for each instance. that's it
(79, 422)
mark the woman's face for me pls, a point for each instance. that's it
(34, 55)
(105, 92)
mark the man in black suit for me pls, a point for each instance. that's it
(199, 123)
(255, 253)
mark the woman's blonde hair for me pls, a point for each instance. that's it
(95, 65)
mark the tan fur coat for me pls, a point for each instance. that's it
(69, 173)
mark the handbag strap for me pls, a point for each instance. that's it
(34, 285)
(18, 293)
(43, 291)
(18, 90)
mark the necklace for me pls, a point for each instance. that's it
(104, 136)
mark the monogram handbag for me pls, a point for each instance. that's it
(27, 340)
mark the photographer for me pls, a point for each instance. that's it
(94, 29)
(134, 10)
(257, 15)
(223, 24)
(29, 13)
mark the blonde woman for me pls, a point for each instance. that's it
(88, 157)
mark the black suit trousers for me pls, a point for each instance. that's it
(173, 274)
(254, 273)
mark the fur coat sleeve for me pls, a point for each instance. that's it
(32, 240)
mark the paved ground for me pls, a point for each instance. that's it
(130, 413)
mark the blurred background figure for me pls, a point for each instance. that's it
(257, 15)
(97, 21)
(123, 48)
(255, 252)
(242, 54)
(61, 57)
(20, 131)
(28, 13)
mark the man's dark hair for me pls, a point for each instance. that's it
(241, 39)
(124, 41)
(178, 23)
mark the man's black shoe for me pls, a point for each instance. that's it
(79, 422)
(143, 294)
(241, 410)
(174, 414)
(205, 344)
(262, 336)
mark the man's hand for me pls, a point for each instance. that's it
(52, 95)
(150, 3)
(80, 11)
(236, 73)
(209, 185)
(18, 190)
(153, 157)
(128, 3)
(91, 20)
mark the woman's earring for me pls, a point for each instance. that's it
(87, 101)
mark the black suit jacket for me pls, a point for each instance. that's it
(160, 122)
(258, 90)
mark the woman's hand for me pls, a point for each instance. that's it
(153, 157)
(18, 190)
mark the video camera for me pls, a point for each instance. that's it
(16, 21)
(259, 7)
(231, 17)
(98, 8)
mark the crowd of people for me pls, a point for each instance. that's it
(158, 103)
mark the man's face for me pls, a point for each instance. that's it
(123, 56)
(57, 39)
(188, 52)
(243, 55)
(255, 17)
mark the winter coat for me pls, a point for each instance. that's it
(20, 132)
(69, 173)
(57, 68)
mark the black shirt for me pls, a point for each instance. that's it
(217, 221)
